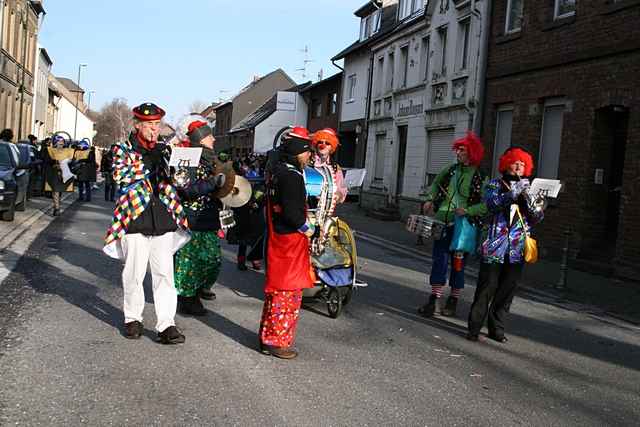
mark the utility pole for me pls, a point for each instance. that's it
(75, 126)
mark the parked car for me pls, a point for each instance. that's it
(29, 156)
(14, 181)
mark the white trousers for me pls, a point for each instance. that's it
(140, 251)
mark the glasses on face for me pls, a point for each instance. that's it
(322, 144)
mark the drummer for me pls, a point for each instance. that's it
(325, 143)
(197, 264)
(456, 191)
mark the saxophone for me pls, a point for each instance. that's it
(324, 210)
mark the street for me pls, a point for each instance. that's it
(65, 362)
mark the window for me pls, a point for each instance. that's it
(424, 56)
(390, 71)
(380, 75)
(504, 125)
(514, 16)
(404, 65)
(377, 18)
(407, 8)
(351, 87)
(332, 108)
(316, 108)
(564, 9)
(379, 160)
(416, 5)
(377, 108)
(439, 154)
(463, 45)
(370, 25)
(551, 138)
(442, 33)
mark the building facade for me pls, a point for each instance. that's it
(562, 81)
(69, 119)
(18, 53)
(41, 90)
(425, 89)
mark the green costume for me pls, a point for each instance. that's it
(197, 264)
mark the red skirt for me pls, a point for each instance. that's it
(288, 262)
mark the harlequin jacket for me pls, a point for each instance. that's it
(148, 203)
(504, 234)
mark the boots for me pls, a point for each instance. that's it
(241, 263)
(449, 309)
(191, 306)
(429, 309)
(279, 352)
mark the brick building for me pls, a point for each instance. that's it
(563, 81)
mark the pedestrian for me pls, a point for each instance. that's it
(456, 191)
(85, 159)
(513, 213)
(106, 168)
(288, 269)
(325, 143)
(6, 135)
(197, 264)
(250, 228)
(55, 181)
(148, 225)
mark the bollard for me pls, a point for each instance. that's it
(564, 264)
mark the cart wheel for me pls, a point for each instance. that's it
(334, 303)
(347, 296)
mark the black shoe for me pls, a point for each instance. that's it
(449, 309)
(429, 309)
(56, 212)
(279, 352)
(133, 330)
(242, 266)
(191, 306)
(171, 335)
(206, 294)
(498, 337)
(474, 337)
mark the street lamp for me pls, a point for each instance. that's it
(75, 126)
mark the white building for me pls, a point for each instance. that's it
(41, 93)
(425, 86)
(259, 128)
(69, 119)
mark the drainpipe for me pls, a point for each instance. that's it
(480, 84)
(336, 65)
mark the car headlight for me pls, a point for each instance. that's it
(1, 185)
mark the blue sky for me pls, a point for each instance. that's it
(176, 52)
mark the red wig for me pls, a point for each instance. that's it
(513, 155)
(474, 147)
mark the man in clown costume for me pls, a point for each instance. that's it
(148, 225)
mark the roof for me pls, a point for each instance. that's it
(210, 109)
(44, 52)
(321, 82)
(70, 85)
(387, 25)
(258, 80)
(370, 7)
(258, 116)
(224, 104)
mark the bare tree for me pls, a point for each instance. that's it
(197, 106)
(113, 123)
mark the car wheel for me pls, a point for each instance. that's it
(9, 214)
(23, 205)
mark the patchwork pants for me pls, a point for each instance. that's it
(280, 318)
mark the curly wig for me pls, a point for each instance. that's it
(474, 147)
(514, 154)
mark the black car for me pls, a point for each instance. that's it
(14, 181)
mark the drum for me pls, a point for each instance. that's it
(313, 182)
(425, 226)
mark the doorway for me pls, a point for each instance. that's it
(402, 154)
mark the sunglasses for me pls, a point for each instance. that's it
(322, 144)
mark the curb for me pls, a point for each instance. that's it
(472, 272)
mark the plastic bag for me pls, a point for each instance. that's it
(464, 236)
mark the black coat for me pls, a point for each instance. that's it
(287, 196)
(87, 167)
(156, 219)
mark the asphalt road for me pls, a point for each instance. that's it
(63, 360)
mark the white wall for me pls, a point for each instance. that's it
(266, 131)
(66, 120)
(356, 108)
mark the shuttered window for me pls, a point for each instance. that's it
(439, 153)
(504, 124)
(551, 139)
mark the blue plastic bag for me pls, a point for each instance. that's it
(464, 236)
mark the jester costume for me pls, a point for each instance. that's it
(148, 225)
(197, 264)
(288, 269)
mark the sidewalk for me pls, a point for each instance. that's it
(611, 296)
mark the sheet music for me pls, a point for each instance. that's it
(185, 157)
(354, 177)
(548, 187)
